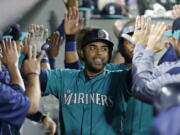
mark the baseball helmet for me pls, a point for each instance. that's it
(96, 35)
(126, 30)
(14, 31)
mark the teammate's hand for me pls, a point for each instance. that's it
(50, 125)
(32, 64)
(55, 40)
(38, 35)
(72, 23)
(176, 11)
(142, 29)
(9, 53)
(155, 42)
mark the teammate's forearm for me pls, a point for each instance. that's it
(71, 55)
(15, 75)
(33, 92)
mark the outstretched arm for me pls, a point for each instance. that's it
(71, 27)
(31, 70)
(145, 80)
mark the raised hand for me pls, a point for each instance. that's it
(72, 23)
(38, 35)
(142, 29)
(55, 41)
(9, 53)
(176, 11)
(32, 64)
(155, 42)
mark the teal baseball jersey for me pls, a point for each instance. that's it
(138, 116)
(90, 106)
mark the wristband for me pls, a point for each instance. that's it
(70, 46)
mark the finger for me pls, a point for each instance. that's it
(39, 58)
(74, 13)
(45, 34)
(14, 45)
(9, 44)
(158, 27)
(138, 22)
(148, 26)
(142, 23)
(41, 31)
(58, 40)
(77, 13)
(70, 14)
(3, 46)
(53, 38)
(162, 28)
(57, 36)
(65, 18)
(33, 52)
(152, 28)
(30, 52)
(37, 31)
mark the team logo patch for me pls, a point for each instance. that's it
(102, 34)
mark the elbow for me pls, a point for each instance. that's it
(141, 95)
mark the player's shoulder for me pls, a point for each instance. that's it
(63, 72)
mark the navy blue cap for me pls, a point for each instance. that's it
(14, 31)
(95, 35)
(112, 10)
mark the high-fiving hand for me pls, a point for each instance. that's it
(32, 64)
(9, 52)
(155, 38)
(142, 29)
(72, 21)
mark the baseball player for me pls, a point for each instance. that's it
(138, 114)
(14, 105)
(92, 100)
(147, 79)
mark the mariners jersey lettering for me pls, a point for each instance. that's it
(89, 106)
(92, 98)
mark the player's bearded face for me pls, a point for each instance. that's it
(95, 56)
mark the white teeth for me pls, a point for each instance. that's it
(98, 61)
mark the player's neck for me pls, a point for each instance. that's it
(92, 74)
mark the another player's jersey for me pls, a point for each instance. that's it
(90, 105)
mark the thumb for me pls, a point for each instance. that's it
(39, 58)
